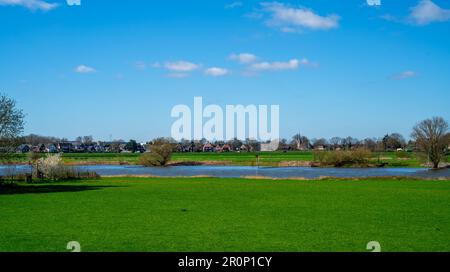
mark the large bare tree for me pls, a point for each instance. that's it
(11, 124)
(431, 137)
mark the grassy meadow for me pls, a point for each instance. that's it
(291, 158)
(210, 214)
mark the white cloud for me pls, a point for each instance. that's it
(181, 66)
(405, 75)
(216, 71)
(83, 69)
(427, 12)
(236, 4)
(290, 18)
(30, 4)
(275, 66)
(243, 58)
(73, 2)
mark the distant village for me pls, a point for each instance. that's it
(129, 147)
(86, 144)
(79, 147)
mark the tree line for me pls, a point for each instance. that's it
(389, 142)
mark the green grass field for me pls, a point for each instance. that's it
(245, 158)
(208, 214)
(392, 159)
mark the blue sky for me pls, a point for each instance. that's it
(116, 68)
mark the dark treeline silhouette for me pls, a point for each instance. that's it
(389, 142)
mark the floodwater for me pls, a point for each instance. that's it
(245, 171)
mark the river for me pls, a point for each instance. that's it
(246, 171)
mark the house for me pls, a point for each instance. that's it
(113, 147)
(208, 147)
(65, 147)
(23, 148)
(99, 148)
(52, 148)
(183, 148)
(89, 148)
(122, 147)
(107, 147)
(40, 148)
(226, 148)
(140, 148)
(78, 147)
(43, 148)
(320, 148)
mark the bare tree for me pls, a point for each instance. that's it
(370, 144)
(393, 142)
(34, 139)
(283, 145)
(317, 143)
(253, 145)
(349, 142)
(88, 140)
(235, 144)
(431, 137)
(335, 142)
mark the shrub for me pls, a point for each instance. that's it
(151, 159)
(53, 169)
(340, 158)
(160, 155)
(360, 156)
